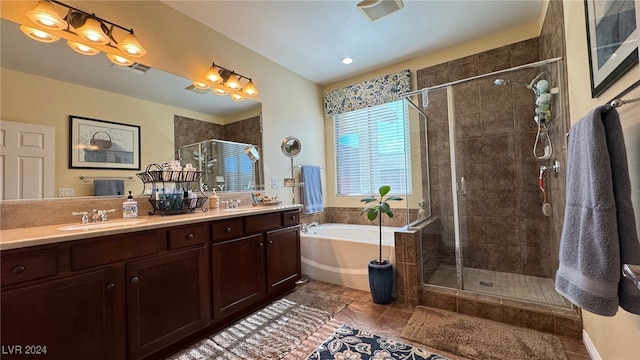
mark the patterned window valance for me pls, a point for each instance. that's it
(366, 94)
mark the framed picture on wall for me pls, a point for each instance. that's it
(99, 144)
(612, 40)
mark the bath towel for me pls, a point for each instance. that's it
(108, 187)
(599, 231)
(311, 191)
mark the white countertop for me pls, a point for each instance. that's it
(51, 234)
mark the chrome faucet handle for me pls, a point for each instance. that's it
(102, 214)
(85, 216)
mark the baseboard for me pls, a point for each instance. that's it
(591, 349)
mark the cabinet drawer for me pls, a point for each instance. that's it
(264, 222)
(116, 248)
(227, 229)
(29, 266)
(188, 236)
(290, 218)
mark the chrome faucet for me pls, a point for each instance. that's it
(306, 227)
(95, 216)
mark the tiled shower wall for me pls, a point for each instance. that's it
(189, 131)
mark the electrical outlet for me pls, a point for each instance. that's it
(274, 182)
(65, 192)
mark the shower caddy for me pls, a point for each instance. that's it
(159, 177)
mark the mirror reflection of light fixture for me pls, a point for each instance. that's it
(82, 48)
(223, 81)
(252, 153)
(91, 31)
(38, 35)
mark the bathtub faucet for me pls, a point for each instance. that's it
(305, 228)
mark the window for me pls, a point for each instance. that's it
(372, 149)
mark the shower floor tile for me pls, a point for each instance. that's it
(516, 286)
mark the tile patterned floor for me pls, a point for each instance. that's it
(385, 320)
(509, 285)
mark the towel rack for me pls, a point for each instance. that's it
(617, 101)
(91, 178)
(632, 272)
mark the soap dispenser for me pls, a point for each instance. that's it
(214, 201)
(130, 208)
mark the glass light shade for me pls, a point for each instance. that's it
(219, 91)
(131, 46)
(92, 31)
(250, 89)
(233, 82)
(82, 48)
(213, 75)
(45, 14)
(38, 35)
(200, 85)
(237, 97)
(119, 60)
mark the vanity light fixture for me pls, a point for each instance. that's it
(91, 32)
(223, 81)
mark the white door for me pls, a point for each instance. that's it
(27, 160)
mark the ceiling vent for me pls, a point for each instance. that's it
(375, 9)
(136, 68)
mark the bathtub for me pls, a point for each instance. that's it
(339, 253)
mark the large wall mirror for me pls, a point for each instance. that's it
(57, 61)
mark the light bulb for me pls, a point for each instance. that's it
(233, 82)
(45, 14)
(250, 89)
(131, 46)
(92, 32)
(38, 35)
(82, 48)
(119, 60)
(213, 75)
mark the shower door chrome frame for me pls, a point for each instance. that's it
(455, 188)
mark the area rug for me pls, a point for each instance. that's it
(269, 333)
(479, 339)
(352, 343)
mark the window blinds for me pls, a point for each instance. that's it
(372, 149)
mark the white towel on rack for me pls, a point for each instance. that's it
(311, 191)
(599, 231)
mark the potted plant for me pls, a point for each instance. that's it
(380, 270)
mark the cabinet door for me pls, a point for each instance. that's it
(167, 299)
(238, 274)
(70, 318)
(283, 259)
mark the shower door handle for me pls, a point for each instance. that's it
(462, 186)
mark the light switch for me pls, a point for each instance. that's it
(274, 182)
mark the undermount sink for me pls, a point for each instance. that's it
(102, 225)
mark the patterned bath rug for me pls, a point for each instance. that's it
(480, 339)
(269, 333)
(352, 344)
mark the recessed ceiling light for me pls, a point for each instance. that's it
(347, 60)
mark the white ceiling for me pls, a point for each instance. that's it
(310, 38)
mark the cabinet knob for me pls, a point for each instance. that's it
(261, 244)
(270, 242)
(293, 217)
(190, 237)
(18, 269)
(228, 230)
(134, 280)
(110, 286)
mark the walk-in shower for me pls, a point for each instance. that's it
(489, 231)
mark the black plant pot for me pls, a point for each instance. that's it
(381, 281)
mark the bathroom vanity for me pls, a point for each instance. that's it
(145, 290)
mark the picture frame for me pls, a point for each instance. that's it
(612, 40)
(101, 144)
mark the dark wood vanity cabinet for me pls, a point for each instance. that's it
(142, 294)
(167, 299)
(74, 317)
(256, 264)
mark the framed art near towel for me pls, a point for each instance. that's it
(99, 144)
(612, 40)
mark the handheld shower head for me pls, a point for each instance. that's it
(500, 82)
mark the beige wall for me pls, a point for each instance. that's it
(613, 337)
